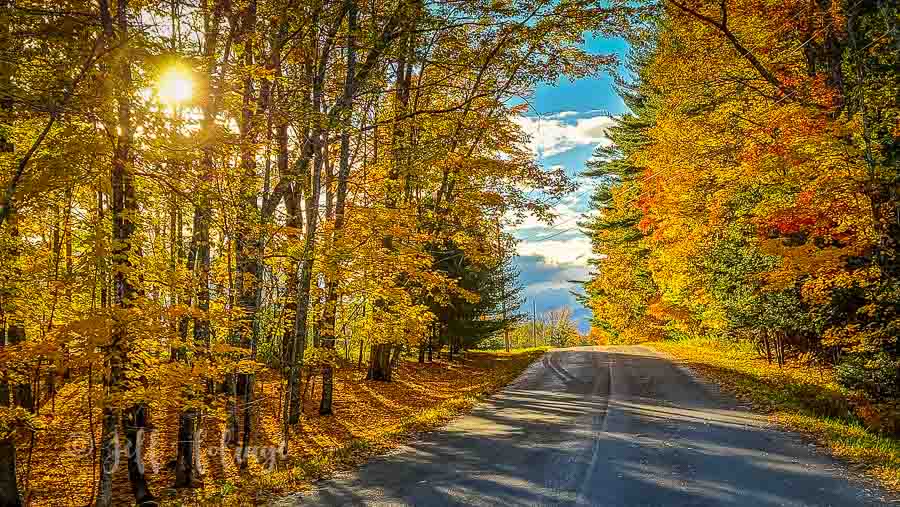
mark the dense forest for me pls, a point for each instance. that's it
(752, 193)
(211, 209)
(196, 192)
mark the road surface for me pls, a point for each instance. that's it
(617, 426)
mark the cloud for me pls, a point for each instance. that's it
(568, 210)
(561, 251)
(554, 135)
(550, 286)
(538, 274)
(550, 257)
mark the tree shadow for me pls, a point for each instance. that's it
(649, 435)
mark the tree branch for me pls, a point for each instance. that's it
(6, 205)
(745, 53)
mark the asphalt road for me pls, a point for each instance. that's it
(610, 426)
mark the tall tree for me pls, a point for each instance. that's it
(124, 214)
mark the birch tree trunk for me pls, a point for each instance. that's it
(325, 407)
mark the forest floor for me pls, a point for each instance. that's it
(369, 418)
(796, 396)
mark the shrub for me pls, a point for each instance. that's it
(877, 376)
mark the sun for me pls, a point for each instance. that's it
(175, 86)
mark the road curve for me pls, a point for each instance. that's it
(616, 426)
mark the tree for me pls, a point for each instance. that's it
(561, 329)
(486, 302)
(760, 181)
(213, 189)
(622, 291)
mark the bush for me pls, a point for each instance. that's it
(877, 376)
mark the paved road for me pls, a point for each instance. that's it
(617, 426)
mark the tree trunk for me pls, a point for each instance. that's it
(312, 157)
(287, 332)
(295, 335)
(7, 70)
(186, 462)
(135, 422)
(109, 455)
(297, 347)
(248, 416)
(300, 329)
(187, 458)
(380, 363)
(778, 350)
(325, 407)
(15, 329)
(347, 338)
(293, 224)
(124, 208)
(231, 408)
(203, 260)
(398, 351)
(9, 490)
(248, 241)
(21, 392)
(189, 421)
(330, 316)
(5, 398)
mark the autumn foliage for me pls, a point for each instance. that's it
(208, 206)
(752, 191)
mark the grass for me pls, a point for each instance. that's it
(798, 397)
(514, 351)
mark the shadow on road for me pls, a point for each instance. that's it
(599, 427)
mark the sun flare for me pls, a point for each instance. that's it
(175, 87)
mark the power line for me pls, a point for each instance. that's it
(553, 227)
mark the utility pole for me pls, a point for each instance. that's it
(505, 326)
(533, 323)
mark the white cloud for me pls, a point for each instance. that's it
(562, 281)
(541, 277)
(575, 251)
(549, 265)
(552, 136)
(569, 210)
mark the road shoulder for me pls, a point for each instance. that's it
(783, 396)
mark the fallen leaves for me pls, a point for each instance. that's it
(369, 418)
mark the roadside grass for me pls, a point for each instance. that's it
(799, 397)
(512, 351)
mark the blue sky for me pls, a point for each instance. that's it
(568, 119)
